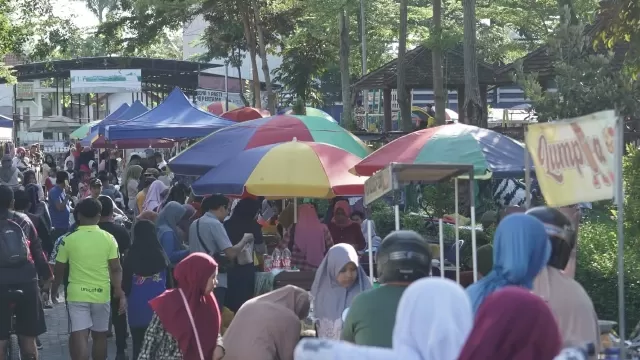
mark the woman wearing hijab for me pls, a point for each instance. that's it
(185, 319)
(343, 230)
(241, 278)
(338, 280)
(167, 224)
(153, 200)
(308, 239)
(185, 222)
(272, 322)
(513, 323)
(521, 248)
(178, 193)
(144, 277)
(432, 323)
(130, 182)
(9, 174)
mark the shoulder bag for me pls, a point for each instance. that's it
(223, 261)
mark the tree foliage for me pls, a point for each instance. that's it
(586, 82)
(623, 27)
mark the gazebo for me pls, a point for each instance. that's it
(420, 75)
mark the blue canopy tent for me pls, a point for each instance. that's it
(175, 118)
(97, 140)
(6, 122)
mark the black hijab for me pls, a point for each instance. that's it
(146, 256)
(243, 220)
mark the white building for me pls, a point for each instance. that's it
(191, 47)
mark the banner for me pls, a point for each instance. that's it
(378, 185)
(106, 81)
(206, 97)
(24, 91)
(574, 159)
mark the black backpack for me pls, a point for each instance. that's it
(14, 247)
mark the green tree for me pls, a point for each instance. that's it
(623, 27)
(585, 82)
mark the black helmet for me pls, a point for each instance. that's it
(561, 232)
(403, 256)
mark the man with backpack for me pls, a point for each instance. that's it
(22, 263)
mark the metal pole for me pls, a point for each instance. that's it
(441, 243)
(226, 86)
(527, 174)
(620, 205)
(370, 246)
(457, 211)
(474, 245)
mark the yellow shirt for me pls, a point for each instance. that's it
(140, 200)
(87, 252)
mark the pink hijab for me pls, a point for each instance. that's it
(344, 205)
(154, 199)
(309, 235)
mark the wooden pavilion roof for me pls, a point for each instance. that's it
(420, 72)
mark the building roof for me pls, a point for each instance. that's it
(420, 71)
(157, 74)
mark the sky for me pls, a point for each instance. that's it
(77, 11)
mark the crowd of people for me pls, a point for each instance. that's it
(181, 281)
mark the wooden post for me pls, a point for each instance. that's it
(461, 118)
(386, 109)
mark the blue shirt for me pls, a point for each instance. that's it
(59, 218)
(168, 241)
(144, 289)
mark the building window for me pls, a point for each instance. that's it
(47, 135)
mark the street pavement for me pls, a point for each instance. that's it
(56, 339)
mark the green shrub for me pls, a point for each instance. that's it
(597, 271)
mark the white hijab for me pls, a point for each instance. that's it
(433, 321)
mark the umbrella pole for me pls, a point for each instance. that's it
(396, 210)
(441, 243)
(457, 230)
(295, 210)
(527, 174)
(369, 245)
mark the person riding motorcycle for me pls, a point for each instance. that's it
(572, 307)
(402, 258)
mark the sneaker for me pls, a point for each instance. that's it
(48, 304)
(39, 344)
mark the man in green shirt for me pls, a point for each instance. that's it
(93, 262)
(403, 257)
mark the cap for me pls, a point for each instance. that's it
(152, 172)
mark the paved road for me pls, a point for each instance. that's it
(55, 341)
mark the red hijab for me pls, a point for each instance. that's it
(513, 323)
(344, 205)
(192, 275)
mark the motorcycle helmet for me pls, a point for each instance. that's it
(561, 232)
(403, 256)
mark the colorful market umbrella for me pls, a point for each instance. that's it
(311, 112)
(224, 143)
(245, 114)
(219, 107)
(83, 130)
(285, 170)
(490, 152)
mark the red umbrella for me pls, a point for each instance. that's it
(245, 114)
(217, 108)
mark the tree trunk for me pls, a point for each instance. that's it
(347, 107)
(242, 97)
(472, 105)
(403, 94)
(262, 48)
(249, 35)
(436, 53)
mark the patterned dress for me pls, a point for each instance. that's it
(158, 344)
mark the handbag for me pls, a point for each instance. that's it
(223, 262)
(193, 324)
